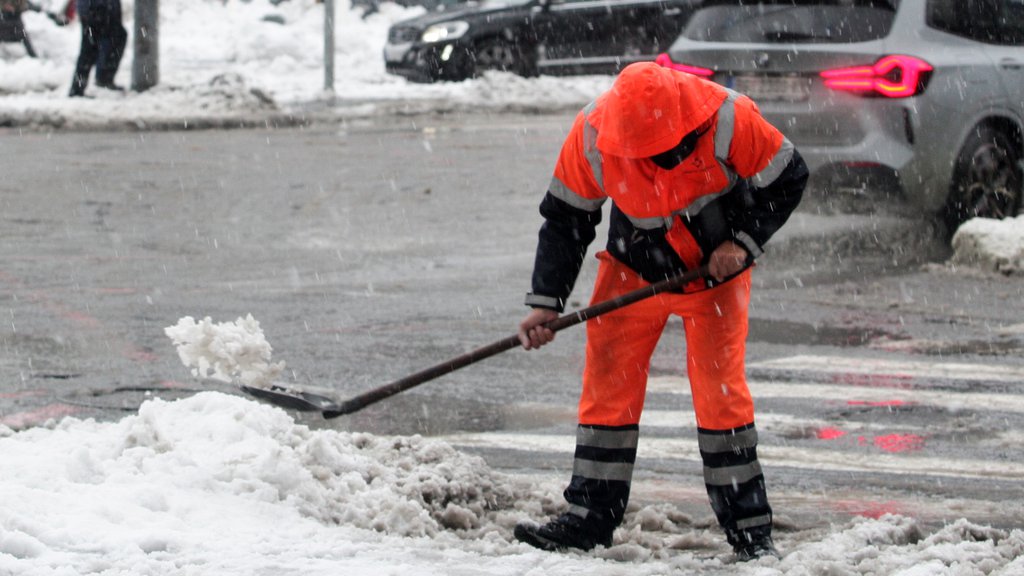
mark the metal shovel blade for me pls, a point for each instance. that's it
(293, 399)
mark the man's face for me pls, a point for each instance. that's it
(674, 156)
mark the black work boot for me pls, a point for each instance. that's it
(566, 531)
(759, 548)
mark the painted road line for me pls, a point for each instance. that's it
(768, 421)
(824, 393)
(770, 456)
(894, 368)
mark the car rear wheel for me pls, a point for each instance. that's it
(505, 56)
(987, 179)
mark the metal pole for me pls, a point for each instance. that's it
(146, 60)
(329, 45)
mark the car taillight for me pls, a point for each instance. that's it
(666, 61)
(894, 76)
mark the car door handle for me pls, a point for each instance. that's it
(673, 11)
(1010, 64)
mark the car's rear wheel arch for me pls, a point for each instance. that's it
(987, 177)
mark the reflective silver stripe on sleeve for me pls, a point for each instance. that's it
(732, 475)
(778, 163)
(717, 443)
(559, 190)
(753, 522)
(610, 439)
(590, 150)
(725, 126)
(749, 244)
(594, 470)
(545, 301)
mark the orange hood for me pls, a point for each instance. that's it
(650, 108)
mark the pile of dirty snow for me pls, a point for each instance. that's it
(218, 484)
(991, 245)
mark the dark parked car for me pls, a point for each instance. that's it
(370, 6)
(919, 99)
(531, 37)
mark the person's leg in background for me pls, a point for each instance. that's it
(111, 50)
(87, 55)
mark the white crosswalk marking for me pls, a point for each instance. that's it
(892, 383)
(916, 369)
(821, 392)
(814, 459)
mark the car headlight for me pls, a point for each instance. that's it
(444, 31)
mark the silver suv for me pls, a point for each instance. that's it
(920, 99)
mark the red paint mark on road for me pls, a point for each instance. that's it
(879, 403)
(898, 381)
(830, 433)
(140, 355)
(80, 318)
(174, 384)
(868, 508)
(117, 291)
(22, 394)
(27, 419)
(899, 442)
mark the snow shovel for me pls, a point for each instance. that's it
(297, 399)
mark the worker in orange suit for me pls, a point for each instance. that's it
(696, 178)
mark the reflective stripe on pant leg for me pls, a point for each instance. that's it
(716, 333)
(735, 484)
(619, 348)
(602, 472)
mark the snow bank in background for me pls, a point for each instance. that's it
(227, 351)
(273, 55)
(992, 245)
(217, 484)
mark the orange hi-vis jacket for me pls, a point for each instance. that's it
(740, 183)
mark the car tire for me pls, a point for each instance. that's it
(986, 179)
(504, 55)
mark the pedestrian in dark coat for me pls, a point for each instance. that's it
(103, 42)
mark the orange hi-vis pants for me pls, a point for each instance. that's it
(619, 348)
(620, 345)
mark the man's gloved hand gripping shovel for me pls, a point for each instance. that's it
(296, 399)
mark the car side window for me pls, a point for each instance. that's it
(990, 21)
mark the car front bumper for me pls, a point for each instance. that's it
(426, 62)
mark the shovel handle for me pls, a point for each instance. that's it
(562, 322)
